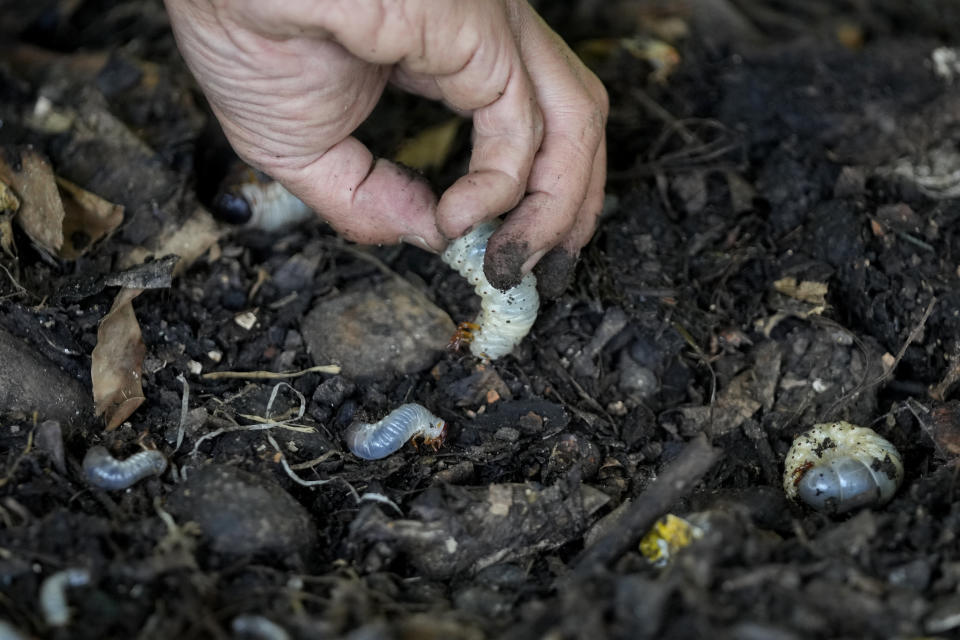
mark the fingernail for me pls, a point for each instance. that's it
(418, 241)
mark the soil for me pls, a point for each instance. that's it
(779, 247)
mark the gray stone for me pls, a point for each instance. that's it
(241, 513)
(373, 333)
(636, 378)
(29, 382)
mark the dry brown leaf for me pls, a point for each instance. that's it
(117, 362)
(88, 219)
(6, 236)
(806, 291)
(430, 148)
(41, 211)
(189, 240)
(8, 199)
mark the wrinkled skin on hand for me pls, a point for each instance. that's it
(290, 81)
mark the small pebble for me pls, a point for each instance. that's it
(50, 441)
(332, 391)
(530, 423)
(635, 378)
(296, 273)
(242, 514)
(645, 351)
(246, 320)
(374, 333)
(480, 386)
(329, 395)
(457, 474)
(571, 450)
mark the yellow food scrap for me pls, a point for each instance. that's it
(666, 537)
(430, 148)
(809, 291)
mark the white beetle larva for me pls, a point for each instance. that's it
(505, 317)
(106, 472)
(53, 595)
(273, 207)
(252, 199)
(372, 441)
(258, 627)
(837, 467)
(10, 632)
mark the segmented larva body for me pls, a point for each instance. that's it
(372, 441)
(53, 595)
(837, 467)
(272, 207)
(505, 317)
(106, 472)
(253, 199)
(258, 627)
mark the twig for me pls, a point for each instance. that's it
(309, 464)
(939, 390)
(16, 285)
(676, 481)
(18, 460)
(382, 499)
(269, 424)
(689, 339)
(184, 407)
(271, 375)
(308, 483)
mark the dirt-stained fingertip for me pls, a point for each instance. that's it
(554, 272)
(503, 264)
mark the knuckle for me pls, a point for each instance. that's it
(538, 128)
(603, 99)
(598, 94)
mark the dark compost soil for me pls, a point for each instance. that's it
(819, 144)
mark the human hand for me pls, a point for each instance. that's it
(290, 81)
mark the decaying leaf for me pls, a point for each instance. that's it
(157, 274)
(41, 210)
(88, 218)
(9, 204)
(117, 362)
(57, 215)
(744, 395)
(806, 290)
(429, 148)
(8, 199)
(188, 240)
(456, 529)
(6, 236)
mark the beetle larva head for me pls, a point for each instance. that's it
(232, 208)
(436, 434)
